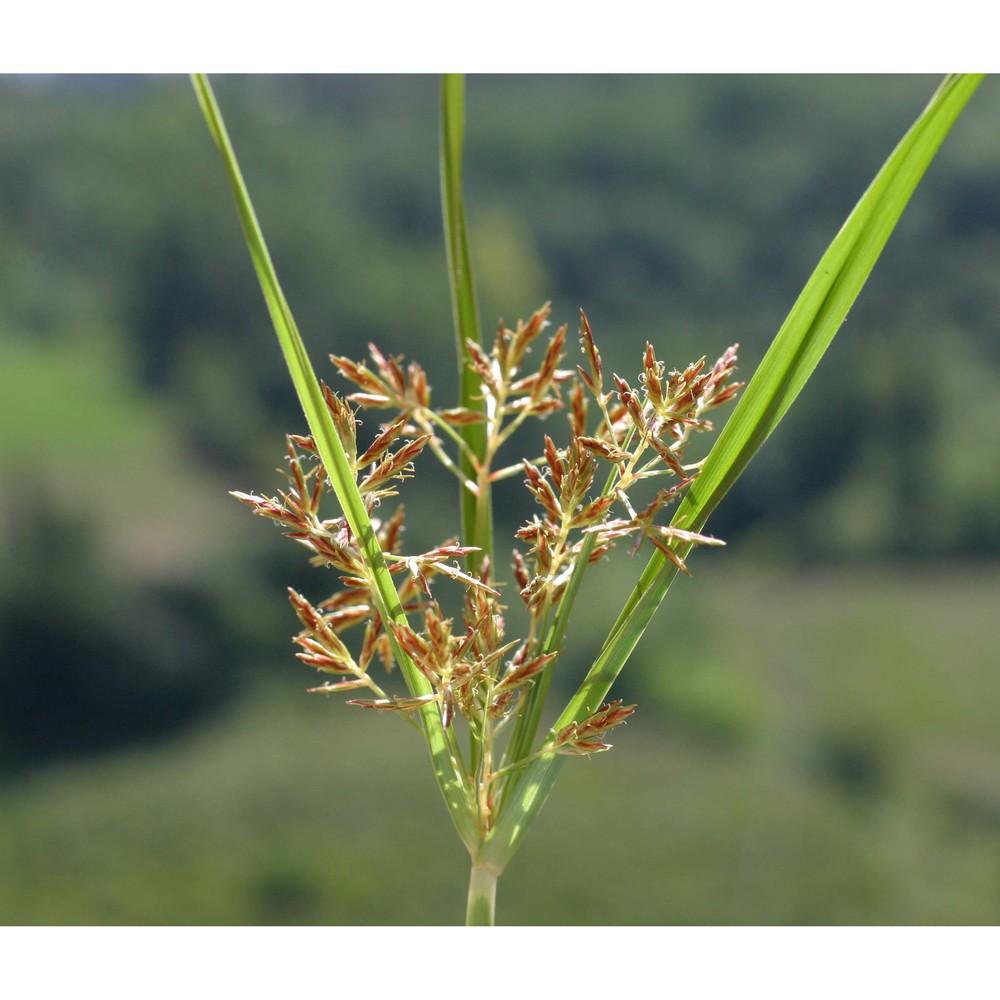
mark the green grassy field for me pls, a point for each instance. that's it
(818, 749)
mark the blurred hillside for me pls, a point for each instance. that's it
(140, 381)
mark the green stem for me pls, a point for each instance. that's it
(482, 896)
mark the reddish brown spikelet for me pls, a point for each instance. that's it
(389, 369)
(526, 384)
(588, 380)
(662, 498)
(389, 533)
(412, 644)
(583, 737)
(523, 337)
(581, 747)
(665, 548)
(480, 361)
(369, 400)
(554, 462)
(529, 532)
(373, 634)
(651, 377)
(380, 445)
(598, 552)
(631, 402)
(303, 441)
(520, 570)
(500, 703)
(307, 614)
(438, 632)
(317, 489)
(549, 366)
(395, 464)
(261, 505)
(317, 657)
(578, 410)
(542, 491)
(396, 704)
(598, 446)
(337, 686)
(419, 388)
(521, 675)
(343, 618)
(361, 377)
(343, 418)
(593, 512)
(449, 550)
(385, 651)
(727, 394)
(596, 369)
(534, 593)
(543, 408)
(579, 475)
(608, 716)
(455, 573)
(723, 368)
(669, 458)
(323, 649)
(460, 416)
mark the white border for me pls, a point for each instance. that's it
(498, 963)
(541, 36)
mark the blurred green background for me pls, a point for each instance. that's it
(818, 734)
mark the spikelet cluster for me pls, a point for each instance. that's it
(619, 437)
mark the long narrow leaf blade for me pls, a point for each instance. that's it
(477, 527)
(442, 746)
(804, 337)
(800, 343)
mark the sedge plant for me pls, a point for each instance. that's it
(612, 471)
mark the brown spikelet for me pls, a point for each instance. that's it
(396, 704)
(549, 367)
(335, 687)
(631, 402)
(595, 370)
(577, 410)
(554, 462)
(669, 457)
(360, 376)
(584, 737)
(542, 491)
(522, 674)
(602, 448)
(395, 465)
(460, 416)
(520, 570)
(651, 377)
(383, 440)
